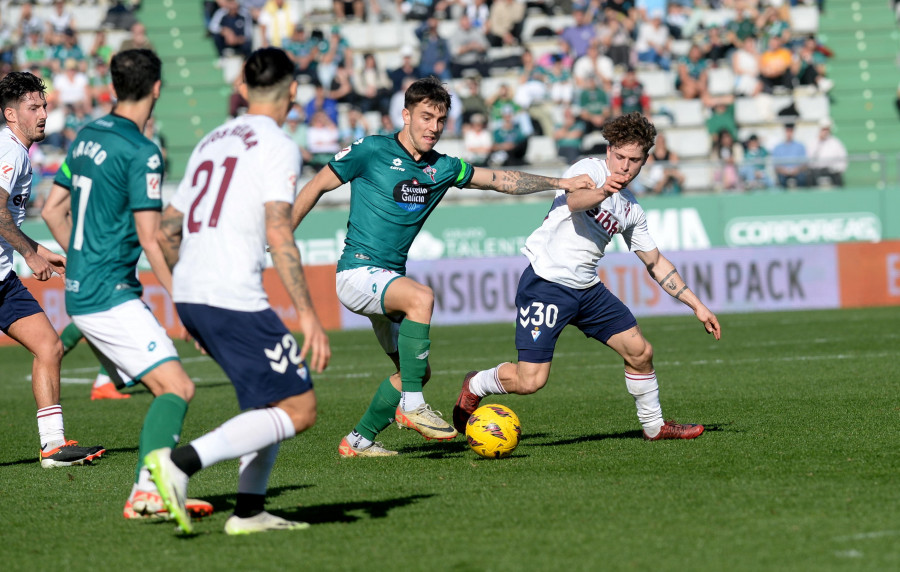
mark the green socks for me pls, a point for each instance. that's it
(70, 337)
(162, 426)
(380, 413)
(413, 345)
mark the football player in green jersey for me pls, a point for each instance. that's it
(396, 181)
(104, 209)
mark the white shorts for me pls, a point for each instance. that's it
(129, 337)
(361, 290)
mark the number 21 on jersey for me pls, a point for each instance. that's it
(205, 172)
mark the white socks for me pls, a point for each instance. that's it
(145, 482)
(409, 400)
(247, 433)
(645, 390)
(50, 427)
(357, 441)
(255, 469)
(102, 379)
(487, 382)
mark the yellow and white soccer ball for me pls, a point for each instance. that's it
(493, 431)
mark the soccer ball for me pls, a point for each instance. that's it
(493, 431)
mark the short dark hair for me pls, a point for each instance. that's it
(266, 67)
(16, 85)
(630, 128)
(133, 74)
(268, 74)
(427, 89)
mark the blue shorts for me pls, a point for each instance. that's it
(16, 302)
(545, 308)
(255, 349)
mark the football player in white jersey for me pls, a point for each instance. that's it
(24, 107)
(561, 286)
(236, 196)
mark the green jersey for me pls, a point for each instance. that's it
(391, 195)
(111, 171)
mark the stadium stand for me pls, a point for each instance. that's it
(857, 47)
(864, 39)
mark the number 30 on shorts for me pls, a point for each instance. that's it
(538, 314)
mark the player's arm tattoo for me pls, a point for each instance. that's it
(519, 183)
(170, 234)
(670, 284)
(285, 255)
(10, 231)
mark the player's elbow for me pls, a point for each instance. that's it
(49, 214)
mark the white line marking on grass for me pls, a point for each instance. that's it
(560, 363)
(95, 368)
(76, 380)
(868, 535)
(849, 554)
(785, 359)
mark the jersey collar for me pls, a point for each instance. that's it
(14, 138)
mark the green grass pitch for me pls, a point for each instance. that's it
(798, 470)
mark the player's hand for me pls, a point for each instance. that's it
(184, 335)
(41, 267)
(614, 183)
(57, 261)
(710, 322)
(579, 182)
(315, 341)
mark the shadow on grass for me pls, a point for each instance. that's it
(225, 502)
(31, 460)
(586, 438)
(435, 450)
(708, 427)
(349, 511)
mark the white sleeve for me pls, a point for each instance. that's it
(590, 167)
(283, 161)
(11, 168)
(637, 234)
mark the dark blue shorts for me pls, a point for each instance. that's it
(16, 302)
(545, 308)
(255, 349)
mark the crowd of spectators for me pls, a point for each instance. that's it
(560, 82)
(44, 39)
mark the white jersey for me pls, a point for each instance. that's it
(232, 173)
(15, 178)
(567, 247)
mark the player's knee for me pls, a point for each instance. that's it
(641, 357)
(528, 384)
(183, 388)
(301, 409)
(422, 302)
(55, 351)
(180, 385)
(303, 419)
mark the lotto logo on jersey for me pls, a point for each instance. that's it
(6, 171)
(154, 186)
(154, 162)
